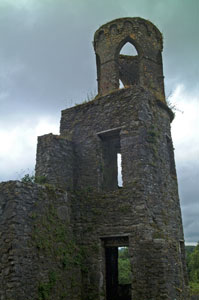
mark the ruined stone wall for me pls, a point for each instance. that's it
(146, 209)
(155, 256)
(55, 160)
(54, 247)
(39, 258)
(143, 130)
(147, 39)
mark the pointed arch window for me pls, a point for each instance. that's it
(128, 63)
(128, 49)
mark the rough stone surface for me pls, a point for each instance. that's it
(35, 243)
(55, 160)
(55, 245)
(144, 69)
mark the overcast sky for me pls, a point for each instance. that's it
(47, 63)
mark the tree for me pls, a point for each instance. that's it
(194, 265)
(193, 269)
(124, 266)
(189, 250)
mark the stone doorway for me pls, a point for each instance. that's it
(115, 289)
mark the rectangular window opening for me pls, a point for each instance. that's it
(111, 159)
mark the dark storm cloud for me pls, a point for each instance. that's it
(178, 22)
(47, 63)
(188, 175)
(53, 54)
(53, 57)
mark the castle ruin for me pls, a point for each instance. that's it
(60, 240)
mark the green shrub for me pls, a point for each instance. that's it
(194, 288)
(34, 179)
(124, 266)
(28, 178)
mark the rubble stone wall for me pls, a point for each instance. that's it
(55, 160)
(39, 258)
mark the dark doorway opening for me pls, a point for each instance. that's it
(118, 283)
(111, 254)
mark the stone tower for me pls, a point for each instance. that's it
(142, 214)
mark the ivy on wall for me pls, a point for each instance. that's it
(52, 236)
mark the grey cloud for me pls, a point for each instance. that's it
(188, 179)
(56, 50)
(191, 225)
(189, 196)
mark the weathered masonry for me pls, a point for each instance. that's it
(61, 239)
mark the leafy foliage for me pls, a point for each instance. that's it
(194, 288)
(124, 266)
(189, 250)
(192, 258)
(33, 179)
(52, 238)
(28, 178)
(194, 265)
(44, 289)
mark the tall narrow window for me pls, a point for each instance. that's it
(128, 63)
(119, 170)
(111, 159)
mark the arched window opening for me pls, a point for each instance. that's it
(128, 63)
(128, 49)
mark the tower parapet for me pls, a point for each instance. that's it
(144, 69)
